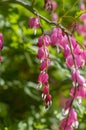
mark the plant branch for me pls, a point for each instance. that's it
(33, 10)
(75, 81)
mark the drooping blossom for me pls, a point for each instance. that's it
(69, 61)
(45, 92)
(48, 101)
(45, 64)
(83, 54)
(44, 40)
(80, 92)
(54, 17)
(43, 78)
(43, 53)
(50, 5)
(83, 17)
(34, 22)
(56, 36)
(77, 78)
(67, 122)
(54, 5)
(67, 51)
(82, 6)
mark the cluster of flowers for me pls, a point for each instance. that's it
(43, 55)
(82, 27)
(1, 44)
(51, 6)
(75, 59)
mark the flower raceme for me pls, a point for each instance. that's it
(43, 55)
(75, 59)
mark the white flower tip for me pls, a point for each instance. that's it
(77, 84)
(43, 96)
(65, 112)
(39, 86)
(34, 31)
(84, 85)
(75, 124)
(79, 100)
(74, 84)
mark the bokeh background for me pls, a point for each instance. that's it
(21, 106)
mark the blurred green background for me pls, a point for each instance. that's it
(21, 106)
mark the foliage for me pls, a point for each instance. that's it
(21, 107)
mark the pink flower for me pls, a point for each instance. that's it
(48, 101)
(72, 116)
(45, 92)
(1, 41)
(34, 22)
(66, 51)
(68, 103)
(76, 77)
(43, 53)
(64, 41)
(74, 74)
(40, 41)
(69, 61)
(77, 49)
(43, 78)
(70, 120)
(82, 29)
(54, 5)
(83, 54)
(45, 64)
(64, 125)
(79, 61)
(44, 40)
(82, 6)
(54, 17)
(83, 17)
(46, 89)
(73, 41)
(80, 92)
(56, 36)
(48, 5)
(80, 79)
